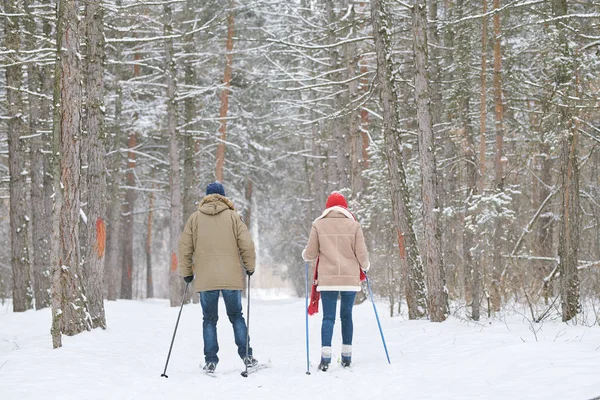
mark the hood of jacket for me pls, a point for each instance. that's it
(213, 204)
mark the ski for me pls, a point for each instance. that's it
(254, 369)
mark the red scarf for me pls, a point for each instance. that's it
(315, 296)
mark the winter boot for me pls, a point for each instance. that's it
(325, 358)
(324, 364)
(346, 355)
(346, 361)
(250, 361)
(210, 367)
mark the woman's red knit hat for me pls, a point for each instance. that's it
(336, 199)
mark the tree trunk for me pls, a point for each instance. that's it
(465, 135)
(355, 138)
(127, 222)
(544, 235)
(220, 156)
(386, 76)
(19, 221)
(570, 221)
(93, 266)
(40, 215)
(364, 122)
(320, 187)
(478, 256)
(190, 174)
(69, 308)
(50, 180)
(453, 38)
(499, 163)
(434, 265)
(339, 173)
(113, 230)
(148, 248)
(175, 281)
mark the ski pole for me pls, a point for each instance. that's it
(174, 332)
(377, 317)
(245, 373)
(306, 312)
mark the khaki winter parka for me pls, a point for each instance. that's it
(211, 244)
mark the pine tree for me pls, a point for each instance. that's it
(19, 221)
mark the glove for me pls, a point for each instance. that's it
(188, 279)
(249, 273)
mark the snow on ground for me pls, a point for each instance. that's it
(496, 359)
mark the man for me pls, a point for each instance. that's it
(210, 247)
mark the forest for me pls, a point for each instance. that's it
(464, 133)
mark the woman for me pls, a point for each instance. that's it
(337, 243)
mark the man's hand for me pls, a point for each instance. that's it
(188, 279)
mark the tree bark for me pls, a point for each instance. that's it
(498, 240)
(354, 172)
(543, 240)
(148, 248)
(478, 255)
(364, 123)
(113, 229)
(69, 308)
(19, 221)
(49, 160)
(434, 264)
(410, 261)
(127, 222)
(340, 172)
(93, 266)
(570, 221)
(40, 215)
(176, 223)
(190, 174)
(220, 155)
(465, 135)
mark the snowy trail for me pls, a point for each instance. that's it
(453, 360)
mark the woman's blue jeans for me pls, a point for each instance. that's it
(329, 301)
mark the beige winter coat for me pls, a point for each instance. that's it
(337, 239)
(211, 244)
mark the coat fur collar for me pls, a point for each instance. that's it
(214, 198)
(339, 209)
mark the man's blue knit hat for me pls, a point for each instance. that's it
(215, 188)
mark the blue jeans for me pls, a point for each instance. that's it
(329, 301)
(210, 310)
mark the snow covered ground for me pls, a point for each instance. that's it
(498, 359)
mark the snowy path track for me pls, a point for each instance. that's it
(452, 360)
